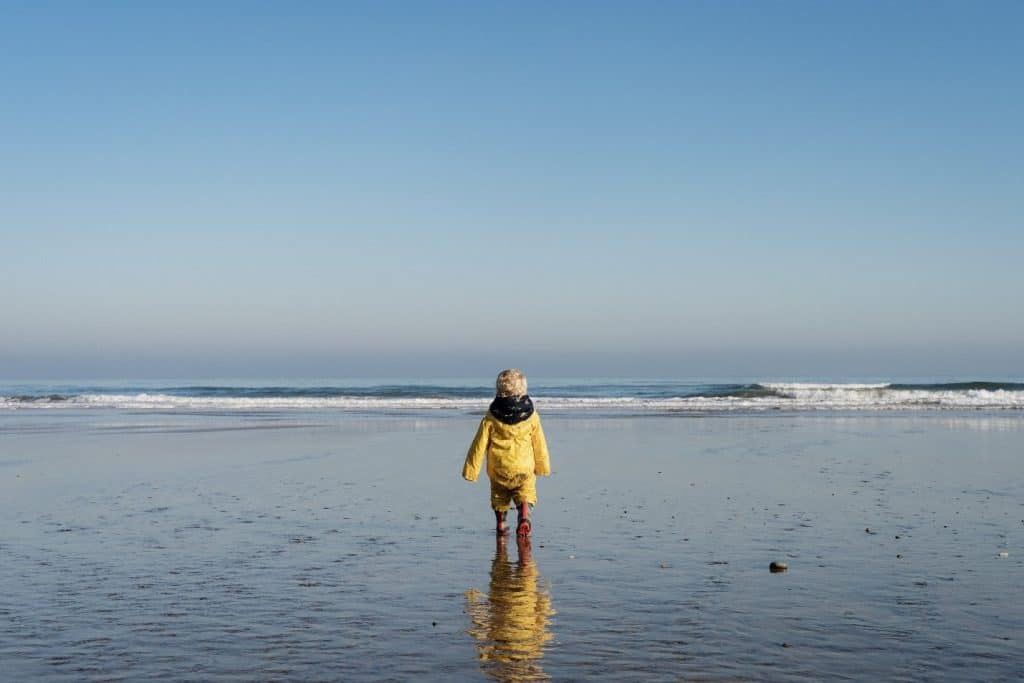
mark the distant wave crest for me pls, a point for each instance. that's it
(654, 397)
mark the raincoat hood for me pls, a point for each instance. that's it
(512, 409)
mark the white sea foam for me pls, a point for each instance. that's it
(882, 396)
(788, 397)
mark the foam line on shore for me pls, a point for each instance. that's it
(787, 397)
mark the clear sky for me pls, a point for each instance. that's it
(442, 189)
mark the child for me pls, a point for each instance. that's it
(511, 437)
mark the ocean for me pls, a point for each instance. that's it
(633, 396)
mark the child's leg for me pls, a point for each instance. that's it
(524, 525)
(525, 497)
(500, 527)
(500, 499)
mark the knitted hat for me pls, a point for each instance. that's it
(510, 382)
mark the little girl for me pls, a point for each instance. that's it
(511, 437)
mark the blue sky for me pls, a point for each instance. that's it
(439, 189)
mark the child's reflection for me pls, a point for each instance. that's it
(511, 623)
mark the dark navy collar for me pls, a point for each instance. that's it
(512, 409)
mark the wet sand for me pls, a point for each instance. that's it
(324, 547)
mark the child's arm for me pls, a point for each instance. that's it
(477, 450)
(541, 460)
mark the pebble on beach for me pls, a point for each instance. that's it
(776, 567)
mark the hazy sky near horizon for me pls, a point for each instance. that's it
(633, 188)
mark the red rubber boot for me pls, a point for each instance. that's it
(525, 526)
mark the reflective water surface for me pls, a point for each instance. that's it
(315, 547)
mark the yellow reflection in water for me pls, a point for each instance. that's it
(510, 622)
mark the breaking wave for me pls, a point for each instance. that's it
(642, 397)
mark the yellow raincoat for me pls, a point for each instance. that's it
(516, 455)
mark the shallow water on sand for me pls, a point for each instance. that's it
(317, 547)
